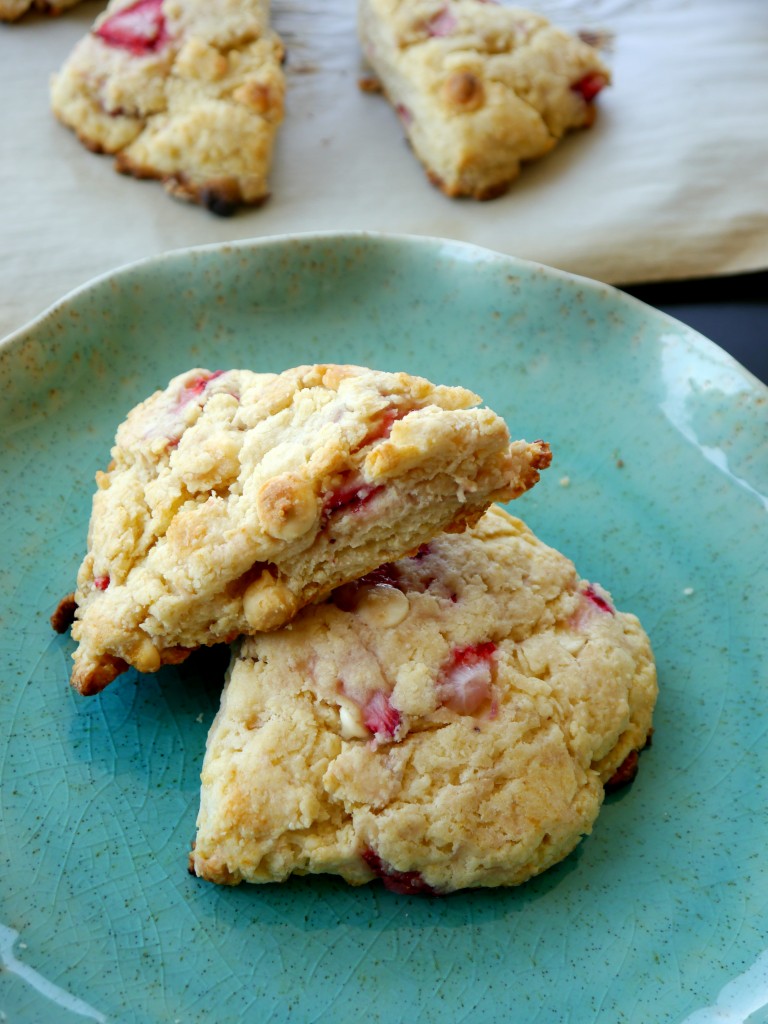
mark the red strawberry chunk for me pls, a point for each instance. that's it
(464, 685)
(590, 85)
(101, 582)
(382, 426)
(171, 423)
(140, 28)
(597, 600)
(404, 113)
(406, 883)
(352, 497)
(194, 389)
(442, 24)
(380, 717)
(197, 386)
(473, 653)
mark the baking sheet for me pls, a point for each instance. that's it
(671, 182)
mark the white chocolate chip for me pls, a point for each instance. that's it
(287, 506)
(382, 606)
(268, 603)
(145, 656)
(351, 722)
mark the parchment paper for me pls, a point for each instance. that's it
(671, 182)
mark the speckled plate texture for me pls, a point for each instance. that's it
(658, 491)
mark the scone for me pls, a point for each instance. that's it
(235, 498)
(479, 88)
(449, 721)
(11, 10)
(188, 91)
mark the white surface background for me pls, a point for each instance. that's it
(671, 182)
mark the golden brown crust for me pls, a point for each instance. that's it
(369, 83)
(91, 679)
(538, 456)
(64, 615)
(627, 771)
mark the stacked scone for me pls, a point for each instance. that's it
(422, 691)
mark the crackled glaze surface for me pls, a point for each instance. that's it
(658, 491)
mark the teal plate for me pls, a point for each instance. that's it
(658, 490)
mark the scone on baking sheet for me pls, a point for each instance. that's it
(449, 721)
(479, 87)
(235, 498)
(187, 91)
(11, 10)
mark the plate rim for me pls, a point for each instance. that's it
(428, 243)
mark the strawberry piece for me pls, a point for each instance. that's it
(404, 113)
(473, 653)
(597, 600)
(380, 717)
(191, 392)
(194, 388)
(352, 497)
(140, 28)
(590, 85)
(442, 24)
(101, 582)
(406, 883)
(465, 683)
(382, 426)
(387, 574)
(197, 386)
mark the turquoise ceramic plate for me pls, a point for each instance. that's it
(658, 490)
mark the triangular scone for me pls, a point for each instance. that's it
(235, 498)
(188, 91)
(11, 10)
(452, 720)
(479, 87)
